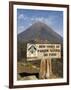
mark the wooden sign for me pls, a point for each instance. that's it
(43, 51)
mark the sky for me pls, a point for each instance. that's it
(26, 17)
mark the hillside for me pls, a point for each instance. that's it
(40, 32)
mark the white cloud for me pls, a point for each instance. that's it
(39, 19)
(47, 20)
(23, 28)
(20, 29)
(22, 16)
(35, 19)
(50, 21)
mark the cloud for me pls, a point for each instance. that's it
(22, 17)
(27, 21)
(47, 20)
(20, 29)
(39, 19)
(35, 19)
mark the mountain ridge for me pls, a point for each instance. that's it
(40, 31)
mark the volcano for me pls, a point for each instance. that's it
(40, 32)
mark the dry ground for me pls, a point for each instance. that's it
(23, 68)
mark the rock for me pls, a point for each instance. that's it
(32, 77)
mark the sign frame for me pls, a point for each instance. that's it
(11, 44)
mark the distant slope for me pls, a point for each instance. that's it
(40, 31)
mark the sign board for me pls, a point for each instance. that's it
(43, 51)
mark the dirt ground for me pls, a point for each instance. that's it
(29, 71)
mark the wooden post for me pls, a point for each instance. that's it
(42, 72)
(45, 69)
(49, 68)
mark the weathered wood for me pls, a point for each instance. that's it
(42, 72)
(49, 68)
(45, 69)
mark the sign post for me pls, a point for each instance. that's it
(44, 52)
(42, 72)
(45, 69)
(49, 68)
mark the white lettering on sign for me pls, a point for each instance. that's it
(43, 51)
